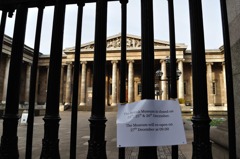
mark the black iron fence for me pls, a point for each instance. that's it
(97, 143)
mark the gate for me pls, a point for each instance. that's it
(97, 143)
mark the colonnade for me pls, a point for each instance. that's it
(85, 79)
(130, 81)
(68, 85)
(210, 84)
(26, 84)
(164, 80)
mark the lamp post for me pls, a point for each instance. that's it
(159, 74)
(158, 92)
(170, 72)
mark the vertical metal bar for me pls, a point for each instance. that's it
(2, 30)
(97, 143)
(147, 65)
(200, 119)
(123, 63)
(173, 79)
(73, 140)
(50, 142)
(230, 95)
(9, 140)
(33, 84)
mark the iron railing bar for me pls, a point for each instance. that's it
(147, 56)
(73, 140)
(9, 140)
(173, 77)
(123, 63)
(201, 142)
(2, 30)
(229, 82)
(97, 143)
(50, 142)
(33, 85)
(35, 3)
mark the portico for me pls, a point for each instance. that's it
(215, 74)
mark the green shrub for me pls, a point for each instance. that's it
(217, 121)
(181, 100)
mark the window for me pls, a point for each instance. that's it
(139, 88)
(214, 87)
(110, 89)
(185, 88)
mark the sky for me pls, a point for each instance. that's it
(211, 19)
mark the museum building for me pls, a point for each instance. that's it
(216, 83)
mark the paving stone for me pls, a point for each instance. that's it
(83, 137)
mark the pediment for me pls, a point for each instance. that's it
(114, 43)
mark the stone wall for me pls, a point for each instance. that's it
(22, 85)
(188, 82)
(42, 86)
(233, 7)
(218, 78)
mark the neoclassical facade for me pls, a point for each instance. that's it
(25, 73)
(214, 63)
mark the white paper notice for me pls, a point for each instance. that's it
(150, 123)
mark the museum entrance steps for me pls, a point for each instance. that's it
(89, 108)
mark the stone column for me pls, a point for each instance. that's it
(130, 81)
(114, 83)
(191, 83)
(37, 87)
(89, 88)
(79, 85)
(107, 93)
(83, 84)
(5, 82)
(181, 80)
(224, 85)
(136, 88)
(27, 84)
(209, 84)
(118, 85)
(61, 85)
(47, 69)
(89, 77)
(61, 107)
(164, 77)
(68, 85)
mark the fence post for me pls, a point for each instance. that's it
(33, 84)
(73, 141)
(200, 119)
(9, 140)
(50, 142)
(97, 143)
(147, 65)
(123, 63)
(173, 79)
